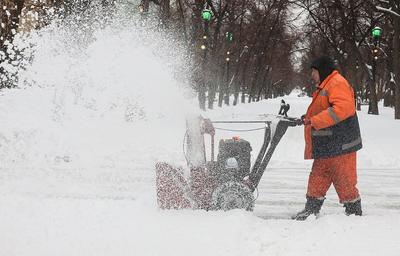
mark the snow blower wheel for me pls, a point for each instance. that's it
(232, 195)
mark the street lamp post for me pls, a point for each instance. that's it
(358, 88)
(227, 61)
(206, 16)
(376, 35)
(229, 40)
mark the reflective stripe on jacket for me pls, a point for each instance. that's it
(334, 128)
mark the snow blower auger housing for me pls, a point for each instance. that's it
(223, 184)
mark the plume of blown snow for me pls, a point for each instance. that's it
(92, 88)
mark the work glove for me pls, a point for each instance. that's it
(305, 120)
(300, 121)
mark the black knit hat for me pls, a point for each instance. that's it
(324, 65)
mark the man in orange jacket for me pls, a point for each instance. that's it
(332, 136)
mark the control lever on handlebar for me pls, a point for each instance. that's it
(293, 121)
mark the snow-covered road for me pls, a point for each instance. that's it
(109, 207)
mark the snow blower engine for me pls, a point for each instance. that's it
(223, 184)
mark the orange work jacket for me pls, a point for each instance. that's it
(334, 128)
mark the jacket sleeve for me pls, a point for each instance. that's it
(341, 99)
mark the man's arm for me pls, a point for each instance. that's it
(340, 97)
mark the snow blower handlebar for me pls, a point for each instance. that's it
(266, 152)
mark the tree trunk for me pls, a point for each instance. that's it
(221, 88)
(197, 32)
(396, 66)
(227, 89)
(373, 100)
(211, 94)
(9, 14)
(165, 11)
(202, 99)
(182, 19)
(357, 90)
(243, 97)
(253, 86)
(236, 97)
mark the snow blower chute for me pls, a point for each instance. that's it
(226, 183)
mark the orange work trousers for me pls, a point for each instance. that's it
(339, 170)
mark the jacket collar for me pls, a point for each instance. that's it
(322, 85)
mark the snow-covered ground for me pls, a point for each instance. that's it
(80, 137)
(106, 205)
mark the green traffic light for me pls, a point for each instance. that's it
(207, 15)
(376, 32)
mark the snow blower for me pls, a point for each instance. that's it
(225, 183)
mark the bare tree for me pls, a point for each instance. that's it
(344, 29)
(391, 10)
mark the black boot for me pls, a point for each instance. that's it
(353, 208)
(313, 206)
